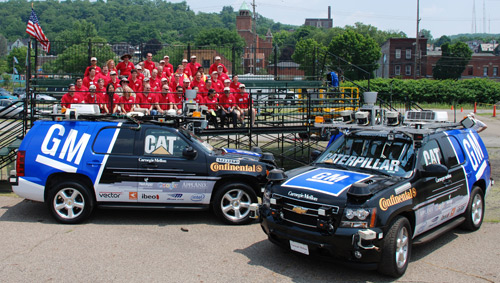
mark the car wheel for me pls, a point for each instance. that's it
(474, 213)
(396, 248)
(232, 203)
(70, 202)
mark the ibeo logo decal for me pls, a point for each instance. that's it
(146, 196)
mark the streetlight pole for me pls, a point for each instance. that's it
(417, 47)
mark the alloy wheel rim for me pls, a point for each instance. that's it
(69, 203)
(402, 244)
(477, 209)
(235, 204)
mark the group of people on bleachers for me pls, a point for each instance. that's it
(157, 89)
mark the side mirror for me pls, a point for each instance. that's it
(315, 154)
(435, 170)
(189, 152)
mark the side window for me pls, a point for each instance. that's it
(431, 154)
(124, 144)
(160, 142)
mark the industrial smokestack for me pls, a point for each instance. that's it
(329, 12)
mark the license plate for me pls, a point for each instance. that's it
(298, 247)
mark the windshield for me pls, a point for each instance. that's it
(373, 153)
(196, 140)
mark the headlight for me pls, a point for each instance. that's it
(360, 213)
(358, 218)
(266, 197)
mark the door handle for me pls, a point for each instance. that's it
(94, 163)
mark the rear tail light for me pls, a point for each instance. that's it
(20, 163)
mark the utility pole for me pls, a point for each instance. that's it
(417, 47)
(254, 28)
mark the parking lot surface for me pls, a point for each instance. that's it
(165, 246)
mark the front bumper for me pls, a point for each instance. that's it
(358, 247)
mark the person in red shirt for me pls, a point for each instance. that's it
(175, 82)
(217, 62)
(186, 85)
(168, 69)
(146, 101)
(93, 64)
(235, 84)
(193, 65)
(164, 81)
(212, 104)
(155, 81)
(198, 82)
(111, 65)
(208, 86)
(95, 99)
(228, 108)
(148, 63)
(186, 69)
(163, 104)
(114, 79)
(111, 99)
(243, 101)
(91, 79)
(70, 97)
(227, 83)
(216, 83)
(176, 100)
(127, 101)
(101, 89)
(125, 66)
(80, 89)
(135, 83)
(222, 76)
(104, 74)
(140, 73)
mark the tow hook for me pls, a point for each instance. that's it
(364, 235)
(254, 211)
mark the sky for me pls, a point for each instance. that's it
(441, 17)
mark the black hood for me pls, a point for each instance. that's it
(331, 186)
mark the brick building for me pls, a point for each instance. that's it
(321, 23)
(261, 47)
(481, 65)
(398, 58)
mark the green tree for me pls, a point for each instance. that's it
(427, 34)
(75, 58)
(3, 45)
(308, 53)
(20, 54)
(356, 49)
(219, 37)
(442, 40)
(453, 61)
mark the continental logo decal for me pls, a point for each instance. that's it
(215, 167)
(393, 200)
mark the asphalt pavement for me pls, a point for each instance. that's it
(163, 246)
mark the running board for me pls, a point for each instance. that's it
(431, 235)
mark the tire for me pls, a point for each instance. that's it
(231, 203)
(70, 202)
(474, 213)
(396, 248)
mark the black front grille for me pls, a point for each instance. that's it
(305, 213)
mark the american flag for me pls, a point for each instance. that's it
(36, 31)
